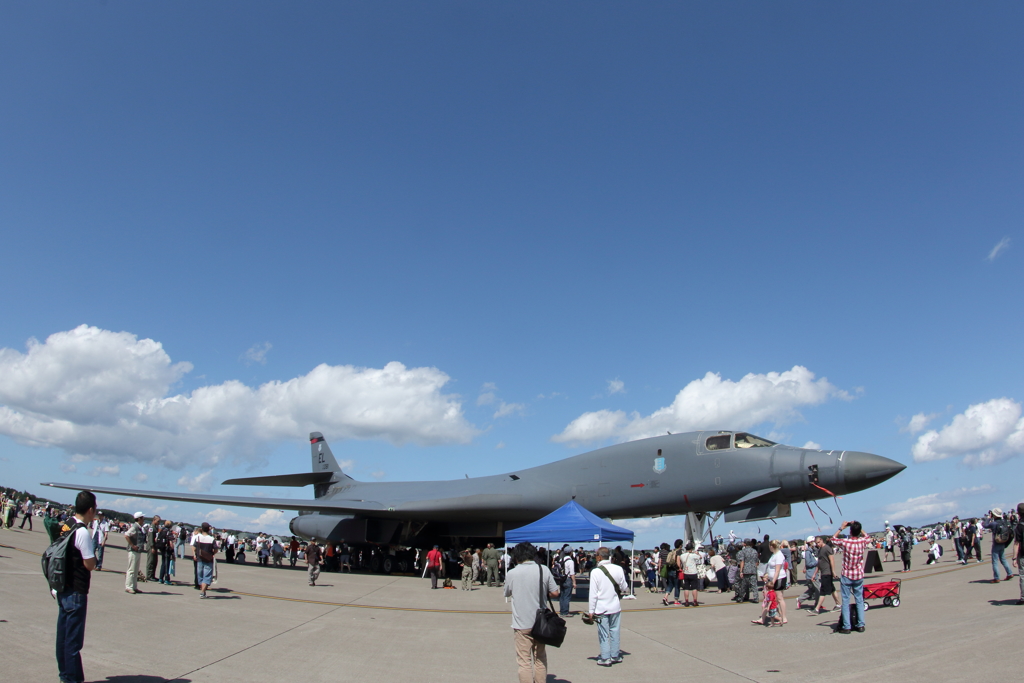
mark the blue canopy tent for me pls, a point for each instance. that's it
(571, 523)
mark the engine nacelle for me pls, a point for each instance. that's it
(345, 528)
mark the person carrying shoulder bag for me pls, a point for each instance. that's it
(607, 584)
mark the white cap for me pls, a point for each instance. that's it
(139, 514)
(810, 539)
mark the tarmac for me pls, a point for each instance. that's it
(267, 624)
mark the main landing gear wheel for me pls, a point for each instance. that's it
(375, 564)
(389, 565)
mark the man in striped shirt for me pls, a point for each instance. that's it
(852, 579)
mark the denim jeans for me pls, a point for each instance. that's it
(166, 557)
(98, 551)
(672, 583)
(959, 549)
(71, 635)
(608, 634)
(999, 555)
(846, 587)
(813, 591)
(1020, 574)
(565, 595)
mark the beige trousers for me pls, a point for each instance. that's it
(532, 658)
(131, 577)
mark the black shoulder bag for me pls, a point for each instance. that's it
(548, 627)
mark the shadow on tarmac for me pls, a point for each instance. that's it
(1003, 603)
(143, 679)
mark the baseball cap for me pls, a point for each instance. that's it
(810, 539)
(139, 515)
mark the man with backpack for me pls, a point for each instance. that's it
(1018, 559)
(1002, 535)
(671, 574)
(73, 600)
(564, 571)
(164, 549)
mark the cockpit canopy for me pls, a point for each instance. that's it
(721, 442)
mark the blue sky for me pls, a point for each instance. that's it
(542, 212)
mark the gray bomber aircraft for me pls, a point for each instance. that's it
(741, 475)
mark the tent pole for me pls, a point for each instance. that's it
(632, 588)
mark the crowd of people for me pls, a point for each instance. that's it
(754, 571)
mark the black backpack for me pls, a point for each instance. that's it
(558, 569)
(55, 559)
(1002, 534)
(160, 540)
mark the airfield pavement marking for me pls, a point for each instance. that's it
(339, 605)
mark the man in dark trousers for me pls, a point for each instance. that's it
(434, 558)
(73, 601)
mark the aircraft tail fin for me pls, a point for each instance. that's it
(323, 458)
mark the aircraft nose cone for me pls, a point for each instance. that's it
(864, 470)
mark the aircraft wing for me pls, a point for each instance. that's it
(321, 505)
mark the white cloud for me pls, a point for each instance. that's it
(506, 409)
(918, 423)
(257, 353)
(934, 506)
(198, 483)
(141, 477)
(68, 468)
(221, 516)
(616, 386)
(1002, 246)
(712, 403)
(984, 434)
(499, 446)
(107, 395)
(126, 505)
(270, 518)
(379, 474)
(487, 394)
(812, 445)
(111, 470)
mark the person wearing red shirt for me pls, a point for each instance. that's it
(434, 566)
(852, 579)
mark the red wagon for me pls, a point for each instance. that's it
(887, 591)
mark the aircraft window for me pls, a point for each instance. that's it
(718, 443)
(751, 441)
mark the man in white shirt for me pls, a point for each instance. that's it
(99, 529)
(73, 601)
(568, 584)
(607, 584)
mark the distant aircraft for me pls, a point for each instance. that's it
(740, 475)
